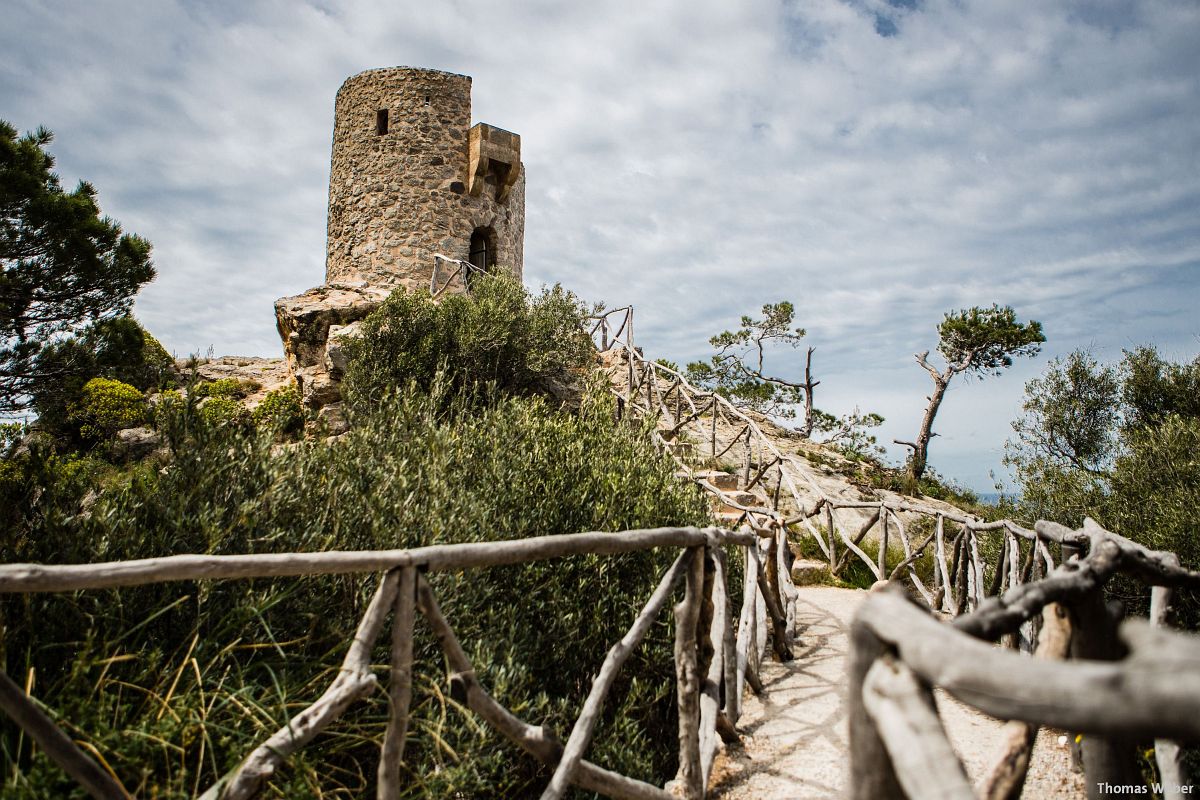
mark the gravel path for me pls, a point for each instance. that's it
(795, 735)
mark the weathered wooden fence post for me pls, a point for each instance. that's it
(872, 776)
(883, 541)
(829, 523)
(1107, 761)
(399, 685)
(687, 677)
(729, 651)
(1167, 754)
(768, 584)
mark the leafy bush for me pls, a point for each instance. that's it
(40, 489)
(242, 656)
(119, 349)
(10, 434)
(233, 388)
(280, 411)
(1117, 443)
(499, 335)
(223, 410)
(106, 406)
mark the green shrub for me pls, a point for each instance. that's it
(119, 349)
(106, 406)
(500, 336)
(223, 410)
(10, 434)
(164, 405)
(243, 656)
(1116, 443)
(280, 411)
(1154, 491)
(41, 490)
(233, 388)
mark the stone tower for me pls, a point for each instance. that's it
(410, 177)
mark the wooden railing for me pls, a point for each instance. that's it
(713, 660)
(1128, 682)
(779, 494)
(446, 270)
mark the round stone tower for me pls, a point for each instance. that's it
(410, 178)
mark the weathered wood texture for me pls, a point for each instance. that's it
(905, 716)
(687, 678)
(391, 754)
(435, 558)
(1108, 760)
(1142, 695)
(1127, 683)
(732, 706)
(871, 775)
(1168, 755)
(1006, 778)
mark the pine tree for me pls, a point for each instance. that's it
(62, 264)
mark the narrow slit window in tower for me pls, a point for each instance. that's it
(480, 255)
(381, 121)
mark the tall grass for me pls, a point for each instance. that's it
(170, 685)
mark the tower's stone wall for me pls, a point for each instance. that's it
(422, 186)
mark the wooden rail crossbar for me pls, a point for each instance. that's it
(712, 663)
(1128, 681)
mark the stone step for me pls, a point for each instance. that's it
(745, 498)
(724, 481)
(806, 572)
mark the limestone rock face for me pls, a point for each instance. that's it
(268, 373)
(137, 443)
(336, 355)
(313, 327)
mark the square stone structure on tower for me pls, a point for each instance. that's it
(410, 178)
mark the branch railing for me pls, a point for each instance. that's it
(714, 660)
(462, 270)
(776, 493)
(1127, 681)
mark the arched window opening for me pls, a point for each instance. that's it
(480, 252)
(483, 251)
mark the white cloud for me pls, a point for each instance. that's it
(697, 159)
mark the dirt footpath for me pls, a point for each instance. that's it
(795, 735)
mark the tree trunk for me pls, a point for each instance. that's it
(920, 454)
(806, 432)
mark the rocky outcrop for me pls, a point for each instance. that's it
(314, 327)
(134, 444)
(266, 374)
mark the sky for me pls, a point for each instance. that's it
(878, 163)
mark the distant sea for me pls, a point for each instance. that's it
(989, 498)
